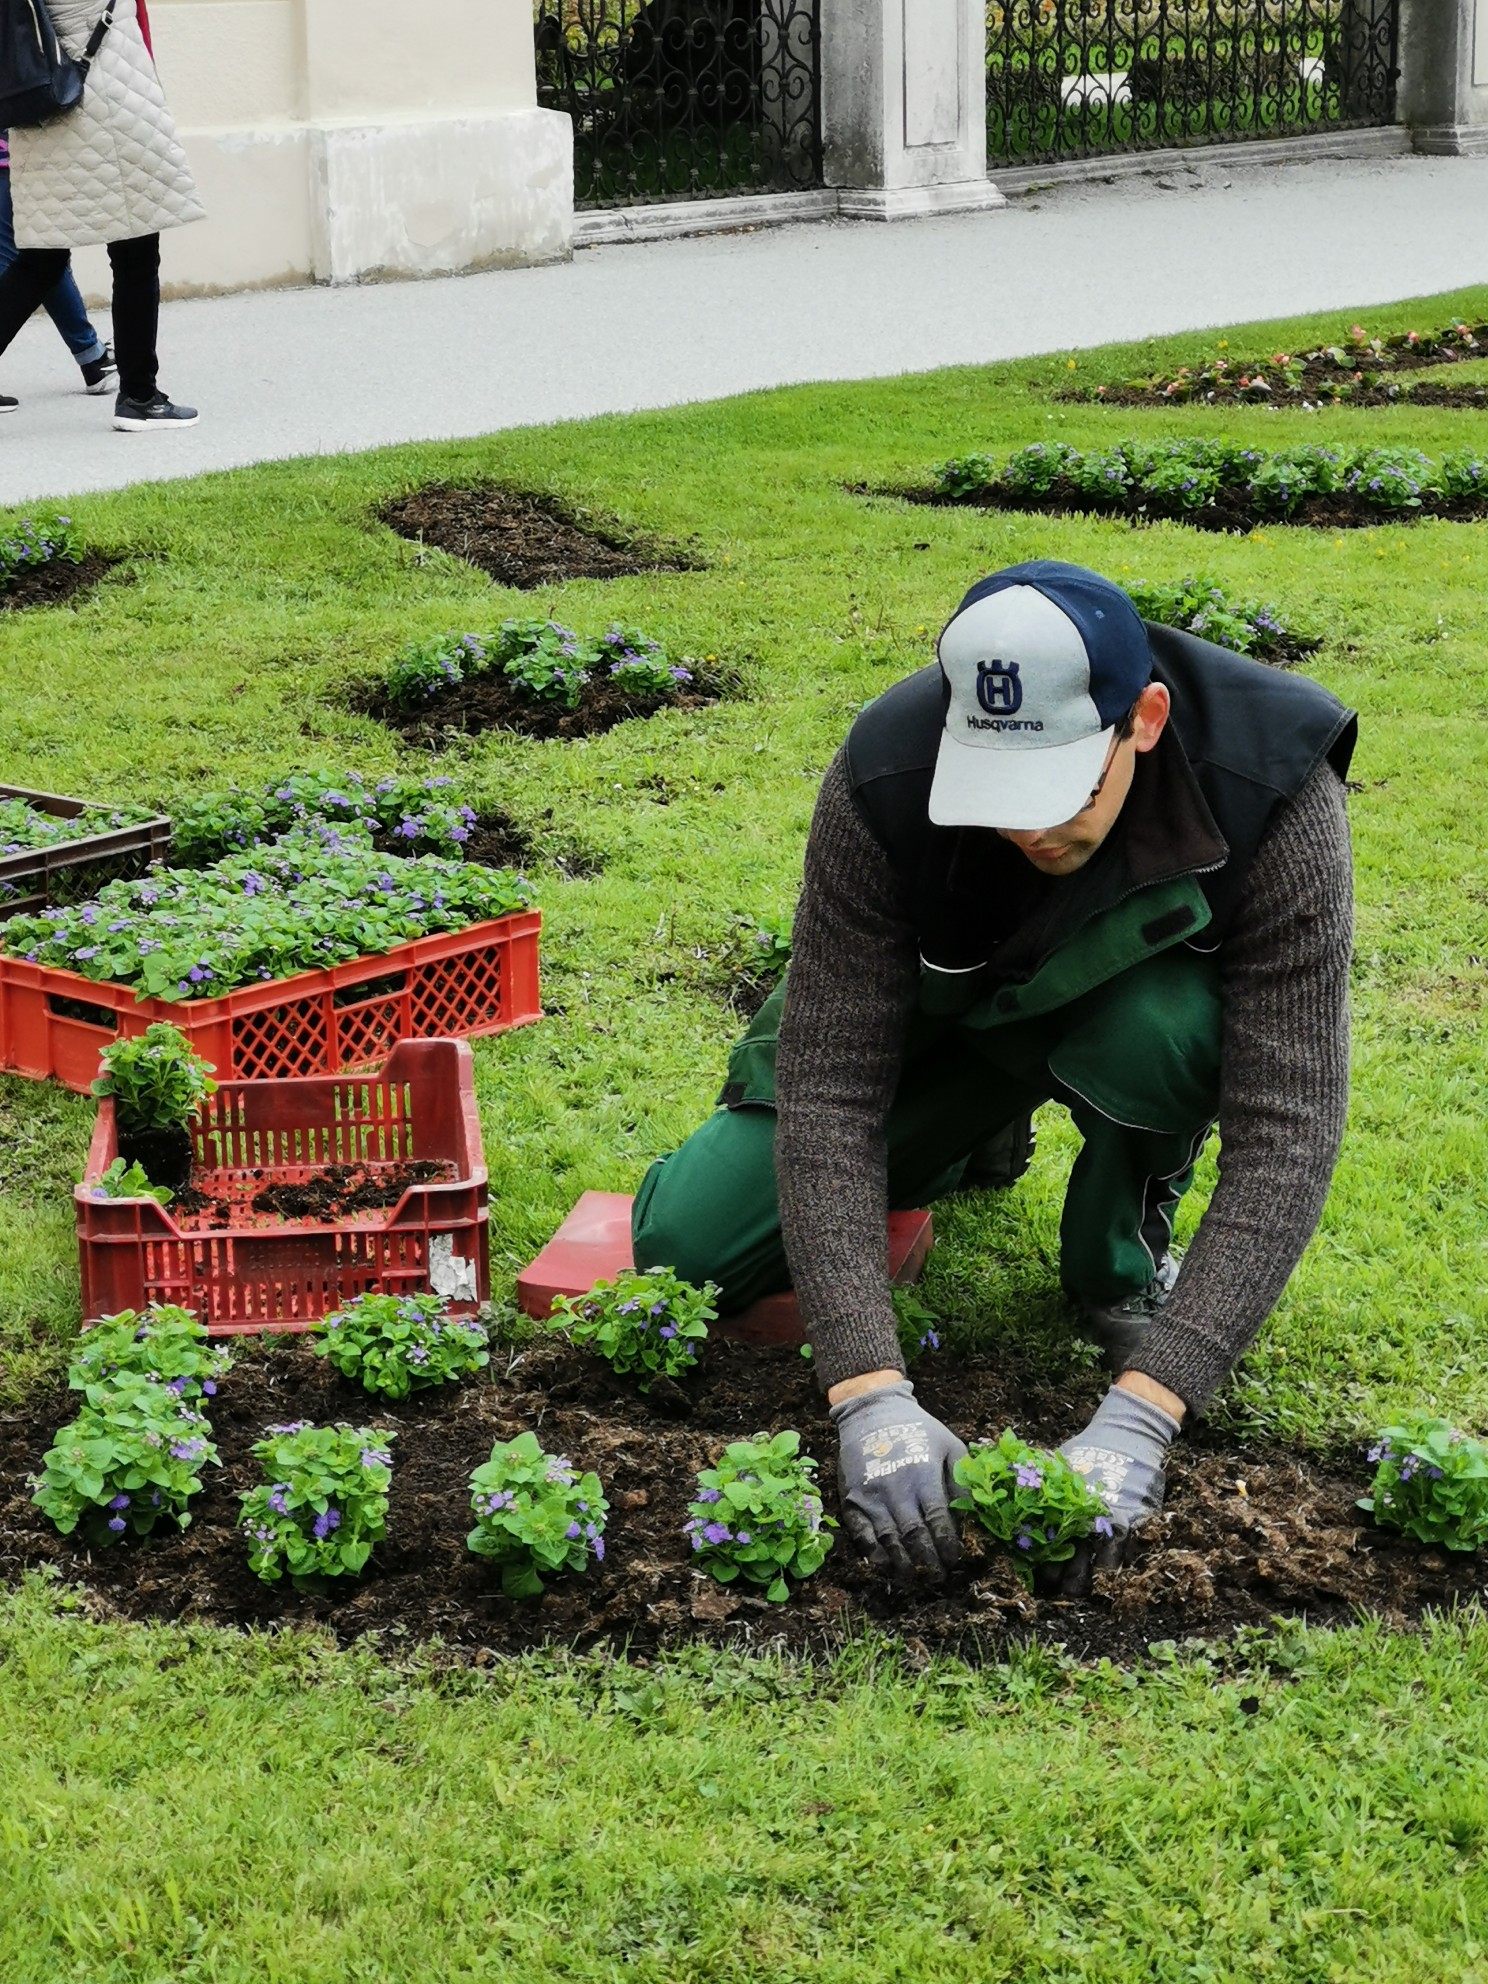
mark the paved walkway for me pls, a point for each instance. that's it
(292, 372)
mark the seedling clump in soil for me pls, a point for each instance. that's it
(546, 663)
(129, 1181)
(1035, 1503)
(132, 1457)
(157, 1080)
(1199, 606)
(162, 1342)
(396, 1344)
(319, 895)
(322, 1503)
(1431, 1482)
(404, 815)
(28, 543)
(645, 1322)
(758, 1516)
(535, 1517)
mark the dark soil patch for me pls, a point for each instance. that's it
(1247, 1534)
(747, 991)
(163, 1155)
(339, 1192)
(495, 841)
(491, 702)
(56, 582)
(1429, 392)
(524, 540)
(1231, 509)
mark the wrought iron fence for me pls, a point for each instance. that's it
(683, 99)
(1079, 78)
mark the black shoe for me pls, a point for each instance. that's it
(7, 404)
(134, 416)
(100, 373)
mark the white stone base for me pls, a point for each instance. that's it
(1451, 140)
(599, 227)
(432, 199)
(967, 196)
(300, 203)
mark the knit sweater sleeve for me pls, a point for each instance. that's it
(1283, 1093)
(849, 996)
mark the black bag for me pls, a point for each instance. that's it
(38, 78)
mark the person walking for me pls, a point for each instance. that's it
(64, 305)
(111, 171)
(1085, 858)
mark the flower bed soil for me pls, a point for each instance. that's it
(336, 1194)
(1428, 393)
(491, 702)
(1231, 510)
(1248, 1533)
(54, 583)
(521, 540)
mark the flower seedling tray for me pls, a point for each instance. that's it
(593, 1244)
(479, 980)
(71, 871)
(283, 1277)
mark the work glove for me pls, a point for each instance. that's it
(1123, 1454)
(895, 1471)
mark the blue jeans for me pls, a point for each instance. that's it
(64, 304)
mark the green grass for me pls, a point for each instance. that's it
(183, 1806)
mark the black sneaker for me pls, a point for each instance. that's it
(100, 373)
(7, 404)
(134, 416)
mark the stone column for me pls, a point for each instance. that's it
(1443, 94)
(904, 106)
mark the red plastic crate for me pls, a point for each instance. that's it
(73, 870)
(479, 980)
(283, 1278)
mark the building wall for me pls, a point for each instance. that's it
(342, 140)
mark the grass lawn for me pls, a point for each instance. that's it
(187, 1806)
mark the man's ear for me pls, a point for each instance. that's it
(1153, 706)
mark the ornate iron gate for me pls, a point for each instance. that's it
(682, 99)
(1076, 78)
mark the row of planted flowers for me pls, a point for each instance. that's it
(136, 1453)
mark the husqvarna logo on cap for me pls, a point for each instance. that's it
(1040, 662)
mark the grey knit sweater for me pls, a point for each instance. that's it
(1283, 1090)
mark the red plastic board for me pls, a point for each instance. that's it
(593, 1244)
(479, 980)
(284, 1278)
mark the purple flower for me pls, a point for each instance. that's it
(716, 1532)
(209, 1387)
(277, 1501)
(1025, 1541)
(116, 1523)
(1029, 1476)
(744, 1536)
(88, 951)
(375, 1457)
(188, 1449)
(324, 1524)
(573, 1532)
(598, 1542)
(1103, 1526)
(294, 1426)
(119, 1502)
(710, 1494)
(667, 1332)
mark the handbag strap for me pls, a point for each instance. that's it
(95, 40)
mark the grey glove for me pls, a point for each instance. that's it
(1122, 1453)
(895, 1473)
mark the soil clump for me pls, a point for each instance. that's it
(54, 583)
(1248, 1533)
(339, 1192)
(522, 540)
(492, 702)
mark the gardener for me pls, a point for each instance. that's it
(1084, 859)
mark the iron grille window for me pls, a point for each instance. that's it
(683, 99)
(1079, 78)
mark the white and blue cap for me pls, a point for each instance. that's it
(1041, 663)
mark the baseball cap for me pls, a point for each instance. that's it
(1041, 662)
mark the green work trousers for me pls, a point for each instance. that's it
(1135, 1060)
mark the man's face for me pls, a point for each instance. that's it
(1064, 849)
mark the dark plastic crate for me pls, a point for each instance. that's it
(75, 870)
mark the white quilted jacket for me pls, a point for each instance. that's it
(113, 168)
